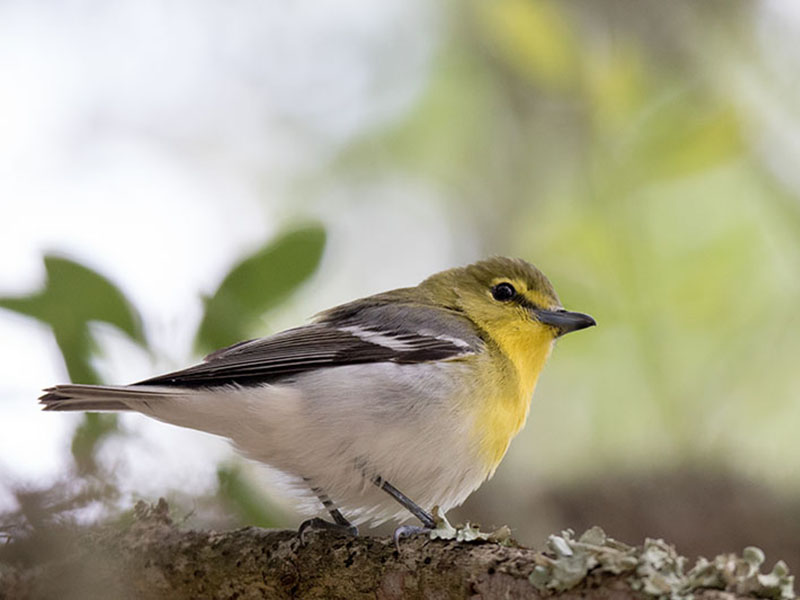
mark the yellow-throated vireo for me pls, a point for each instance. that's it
(417, 390)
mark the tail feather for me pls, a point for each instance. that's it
(91, 405)
(70, 396)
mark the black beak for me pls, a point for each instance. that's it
(563, 320)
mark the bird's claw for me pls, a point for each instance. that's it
(407, 531)
(322, 525)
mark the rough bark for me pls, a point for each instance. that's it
(152, 558)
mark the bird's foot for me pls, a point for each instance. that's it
(317, 524)
(407, 531)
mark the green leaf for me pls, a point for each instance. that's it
(94, 428)
(253, 507)
(90, 297)
(257, 284)
(74, 296)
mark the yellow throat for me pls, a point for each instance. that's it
(504, 411)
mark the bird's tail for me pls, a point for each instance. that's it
(72, 396)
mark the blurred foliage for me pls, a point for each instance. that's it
(606, 142)
(258, 284)
(246, 499)
(75, 296)
(531, 37)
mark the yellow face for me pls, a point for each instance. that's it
(515, 307)
(510, 316)
(510, 297)
(506, 310)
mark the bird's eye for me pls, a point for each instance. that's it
(503, 292)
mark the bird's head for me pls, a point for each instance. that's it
(507, 297)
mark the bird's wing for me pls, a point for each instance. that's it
(378, 333)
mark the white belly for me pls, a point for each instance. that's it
(339, 427)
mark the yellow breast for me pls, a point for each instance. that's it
(515, 368)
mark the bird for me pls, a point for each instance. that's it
(378, 409)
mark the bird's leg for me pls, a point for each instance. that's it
(406, 530)
(340, 523)
(405, 501)
(337, 516)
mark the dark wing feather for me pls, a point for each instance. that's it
(328, 344)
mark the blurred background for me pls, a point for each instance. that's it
(175, 176)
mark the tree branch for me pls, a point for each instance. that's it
(152, 558)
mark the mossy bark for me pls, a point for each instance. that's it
(153, 558)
